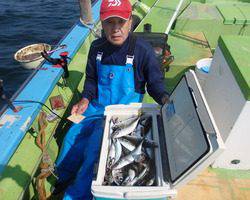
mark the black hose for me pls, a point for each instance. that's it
(31, 101)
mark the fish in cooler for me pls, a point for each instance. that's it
(130, 159)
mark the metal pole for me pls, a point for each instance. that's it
(174, 17)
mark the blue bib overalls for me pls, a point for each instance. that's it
(81, 146)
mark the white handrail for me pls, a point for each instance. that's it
(174, 17)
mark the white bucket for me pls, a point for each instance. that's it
(30, 56)
(202, 69)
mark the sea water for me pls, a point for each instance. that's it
(25, 22)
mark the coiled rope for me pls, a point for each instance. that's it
(46, 165)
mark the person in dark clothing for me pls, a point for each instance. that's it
(119, 68)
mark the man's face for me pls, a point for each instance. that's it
(116, 29)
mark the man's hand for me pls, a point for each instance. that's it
(165, 99)
(169, 105)
(80, 107)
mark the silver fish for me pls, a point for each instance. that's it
(118, 150)
(111, 123)
(111, 156)
(125, 151)
(125, 123)
(127, 144)
(140, 176)
(114, 119)
(130, 177)
(141, 158)
(150, 181)
(137, 131)
(133, 156)
(136, 140)
(127, 130)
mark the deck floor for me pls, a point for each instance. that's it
(215, 184)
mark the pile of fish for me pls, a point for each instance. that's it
(130, 159)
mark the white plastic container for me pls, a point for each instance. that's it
(188, 141)
(202, 69)
(30, 56)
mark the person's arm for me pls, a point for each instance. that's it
(85, 12)
(154, 78)
(91, 79)
(90, 86)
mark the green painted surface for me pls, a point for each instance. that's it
(232, 14)
(141, 8)
(227, 12)
(245, 10)
(149, 3)
(240, 18)
(161, 15)
(187, 48)
(231, 174)
(199, 11)
(19, 172)
(173, 76)
(236, 50)
(206, 18)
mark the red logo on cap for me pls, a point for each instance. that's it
(115, 8)
(114, 3)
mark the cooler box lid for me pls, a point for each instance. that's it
(191, 136)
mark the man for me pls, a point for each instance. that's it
(119, 66)
(85, 12)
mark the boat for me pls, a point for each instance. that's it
(194, 30)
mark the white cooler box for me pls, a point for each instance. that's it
(188, 142)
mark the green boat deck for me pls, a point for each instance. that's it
(215, 19)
